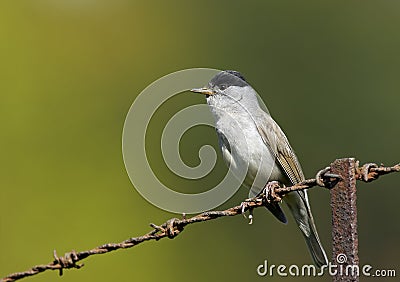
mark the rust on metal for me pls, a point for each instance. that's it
(344, 221)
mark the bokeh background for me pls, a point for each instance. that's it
(328, 71)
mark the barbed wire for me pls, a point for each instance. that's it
(174, 226)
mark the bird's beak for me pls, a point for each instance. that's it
(204, 91)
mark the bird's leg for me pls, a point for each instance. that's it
(269, 192)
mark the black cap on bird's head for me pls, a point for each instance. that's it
(223, 80)
(228, 78)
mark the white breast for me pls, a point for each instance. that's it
(246, 151)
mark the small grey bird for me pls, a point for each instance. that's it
(253, 143)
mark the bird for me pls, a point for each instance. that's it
(253, 144)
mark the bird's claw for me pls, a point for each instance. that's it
(269, 192)
(251, 216)
(245, 205)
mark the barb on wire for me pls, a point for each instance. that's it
(371, 171)
(173, 227)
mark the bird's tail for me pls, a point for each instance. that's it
(300, 208)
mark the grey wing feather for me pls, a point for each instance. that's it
(297, 201)
(270, 133)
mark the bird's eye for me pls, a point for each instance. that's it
(222, 86)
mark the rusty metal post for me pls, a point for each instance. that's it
(344, 222)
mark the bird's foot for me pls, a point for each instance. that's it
(269, 192)
(246, 205)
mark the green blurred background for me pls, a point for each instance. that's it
(328, 71)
